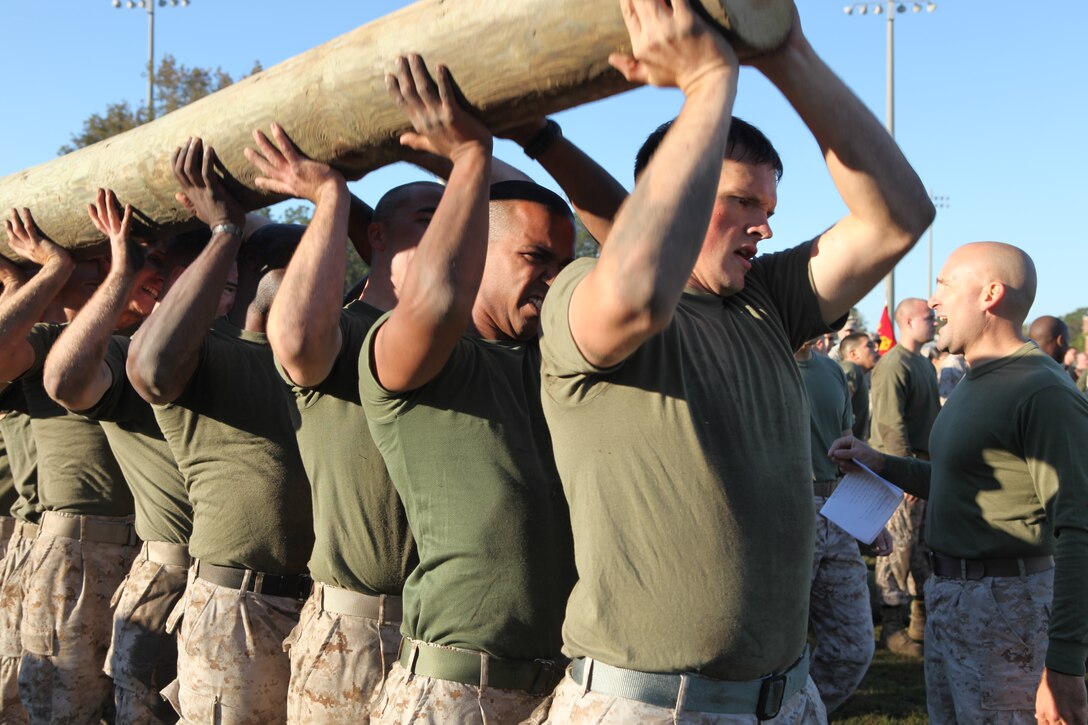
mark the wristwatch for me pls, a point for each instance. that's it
(228, 229)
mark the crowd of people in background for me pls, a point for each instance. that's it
(499, 485)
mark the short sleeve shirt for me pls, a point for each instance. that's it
(231, 434)
(22, 453)
(163, 512)
(470, 455)
(363, 543)
(829, 410)
(77, 471)
(688, 474)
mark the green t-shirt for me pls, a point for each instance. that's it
(163, 512)
(231, 434)
(363, 543)
(1009, 478)
(470, 455)
(8, 494)
(828, 409)
(905, 403)
(688, 474)
(22, 453)
(858, 383)
(77, 472)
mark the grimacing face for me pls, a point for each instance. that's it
(955, 302)
(744, 203)
(523, 258)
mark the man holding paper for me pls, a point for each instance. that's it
(1007, 517)
(839, 615)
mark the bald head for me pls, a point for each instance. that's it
(1004, 264)
(908, 308)
(916, 323)
(1051, 335)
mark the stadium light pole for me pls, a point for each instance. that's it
(149, 5)
(890, 8)
(939, 202)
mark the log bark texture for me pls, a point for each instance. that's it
(514, 60)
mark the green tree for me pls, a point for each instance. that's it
(584, 243)
(1075, 321)
(176, 85)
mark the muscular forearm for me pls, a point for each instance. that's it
(304, 324)
(360, 215)
(166, 351)
(75, 374)
(594, 193)
(435, 305)
(23, 309)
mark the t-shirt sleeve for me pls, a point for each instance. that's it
(379, 404)
(558, 349)
(788, 279)
(120, 403)
(1053, 427)
(41, 338)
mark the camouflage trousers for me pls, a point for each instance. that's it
(12, 587)
(232, 669)
(572, 703)
(338, 663)
(839, 614)
(901, 575)
(67, 624)
(986, 643)
(143, 656)
(419, 700)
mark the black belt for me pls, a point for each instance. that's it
(952, 568)
(536, 677)
(295, 586)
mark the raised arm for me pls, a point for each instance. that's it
(304, 323)
(21, 310)
(633, 291)
(593, 192)
(76, 374)
(11, 279)
(166, 351)
(435, 305)
(889, 208)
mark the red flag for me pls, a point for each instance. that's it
(886, 332)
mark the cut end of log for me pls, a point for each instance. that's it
(759, 25)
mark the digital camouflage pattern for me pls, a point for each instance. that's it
(902, 574)
(66, 626)
(409, 699)
(12, 585)
(571, 705)
(338, 664)
(840, 617)
(143, 656)
(986, 643)
(232, 669)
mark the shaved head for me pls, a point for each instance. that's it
(909, 307)
(393, 199)
(1051, 335)
(1007, 265)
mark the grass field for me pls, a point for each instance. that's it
(893, 692)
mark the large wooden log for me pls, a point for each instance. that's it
(514, 59)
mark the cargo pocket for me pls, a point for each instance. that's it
(176, 615)
(1017, 646)
(37, 641)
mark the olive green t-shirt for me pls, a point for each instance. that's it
(22, 453)
(8, 494)
(163, 512)
(470, 455)
(905, 402)
(77, 472)
(363, 543)
(231, 434)
(1009, 479)
(828, 409)
(688, 474)
(858, 383)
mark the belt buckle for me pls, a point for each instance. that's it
(543, 678)
(771, 694)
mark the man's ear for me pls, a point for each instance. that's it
(375, 235)
(992, 295)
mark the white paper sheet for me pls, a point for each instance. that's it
(862, 503)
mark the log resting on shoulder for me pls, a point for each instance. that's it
(513, 61)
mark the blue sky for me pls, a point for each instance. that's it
(991, 102)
